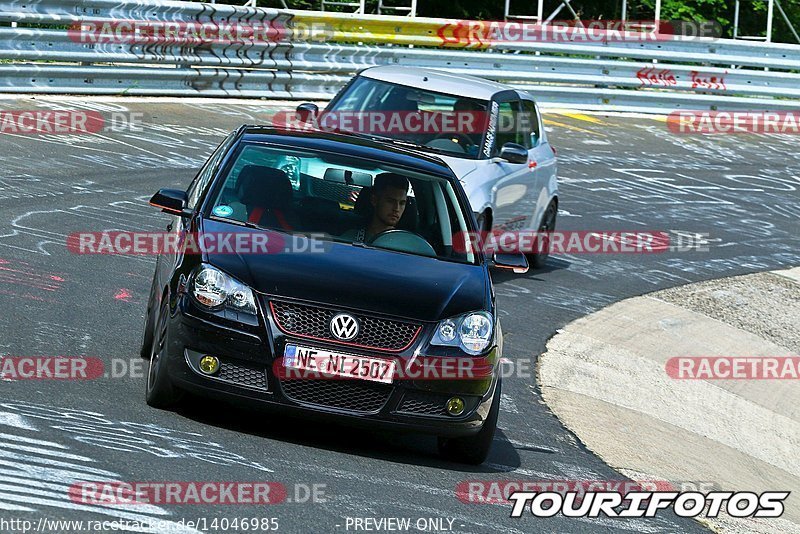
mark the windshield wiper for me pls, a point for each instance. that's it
(391, 140)
(246, 224)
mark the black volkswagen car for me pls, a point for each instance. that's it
(366, 305)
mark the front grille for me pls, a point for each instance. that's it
(243, 376)
(314, 322)
(420, 403)
(345, 394)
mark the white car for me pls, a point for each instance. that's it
(507, 166)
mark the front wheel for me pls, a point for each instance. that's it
(147, 335)
(548, 225)
(160, 393)
(473, 449)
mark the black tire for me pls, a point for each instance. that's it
(475, 449)
(149, 318)
(548, 224)
(159, 391)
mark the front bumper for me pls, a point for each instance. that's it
(248, 357)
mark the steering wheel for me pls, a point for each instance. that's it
(403, 241)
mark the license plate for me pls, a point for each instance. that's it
(336, 364)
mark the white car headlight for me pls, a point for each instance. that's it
(214, 289)
(475, 332)
(472, 332)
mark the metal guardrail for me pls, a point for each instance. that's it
(36, 44)
(652, 75)
(148, 81)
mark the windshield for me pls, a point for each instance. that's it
(362, 202)
(443, 123)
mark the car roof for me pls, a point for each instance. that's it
(351, 145)
(436, 80)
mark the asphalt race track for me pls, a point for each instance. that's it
(616, 173)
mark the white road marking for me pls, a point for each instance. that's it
(15, 420)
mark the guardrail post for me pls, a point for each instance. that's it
(770, 14)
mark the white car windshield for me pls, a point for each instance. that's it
(344, 199)
(446, 124)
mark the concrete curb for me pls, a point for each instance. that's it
(604, 376)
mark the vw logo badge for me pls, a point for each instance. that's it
(344, 326)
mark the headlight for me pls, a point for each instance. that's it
(214, 289)
(447, 330)
(475, 332)
(472, 332)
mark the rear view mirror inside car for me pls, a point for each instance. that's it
(346, 176)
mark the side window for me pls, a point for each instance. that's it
(200, 181)
(363, 94)
(507, 126)
(529, 124)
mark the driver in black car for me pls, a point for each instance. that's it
(389, 197)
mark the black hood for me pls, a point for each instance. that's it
(385, 282)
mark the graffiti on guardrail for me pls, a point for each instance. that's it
(707, 81)
(652, 76)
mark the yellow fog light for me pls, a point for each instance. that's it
(455, 406)
(209, 365)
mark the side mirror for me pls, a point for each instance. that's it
(514, 153)
(307, 111)
(515, 262)
(172, 201)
